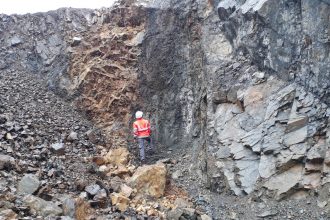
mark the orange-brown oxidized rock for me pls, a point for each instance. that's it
(149, 180)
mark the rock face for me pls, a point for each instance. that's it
(244, 89)
(149, 180)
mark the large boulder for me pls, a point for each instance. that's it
(119, 156)
(42, 207)
(149, 180)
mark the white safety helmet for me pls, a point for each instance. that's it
(138, 114)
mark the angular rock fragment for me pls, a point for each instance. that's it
(177, 174)
(182, 203)
(9, 136)
(100, 195)
(126, 190)
(317, 152)
(28, 184)
(299, 151)
(8, 214)
(115, 183)
(189, 213)
(205, 217)
(312, 180)
(313, 167)
(174, 214)
(267, 166)
(149, 180)
(117, 156)
(267, 213)
(15, 41)
(121, 171)
(92, 189)
(75, 41)
(6, 161)
(58, 148)
(296, 123)
(248, 174)
(72, 136)
(295, 137)
(120, 201)
(69, 207)
(285, 181)
(42, 207)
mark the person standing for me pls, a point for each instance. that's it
(141, 131)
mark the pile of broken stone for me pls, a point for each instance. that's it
(130, 191)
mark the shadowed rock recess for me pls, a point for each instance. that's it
(238, 90)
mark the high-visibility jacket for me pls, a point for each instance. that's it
(141, 128)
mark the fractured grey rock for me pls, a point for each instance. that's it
(296, 123)
(295, 137)
(75, 41)
(177, 174)
(93, 189)
(298, 150)
(267, 166)
(6, 161)
(317, 152)
(42, 207)
(285, 181)
(205, 217)
(240, 152)
(138, 39)
(101, 195)
(58, 148)
(253, 139)
(223, 152)
(69, 207)
(15, 41)
(174, 214)
(73, 136)
(28, 184)
(267, 213)
(220, 97)
(314, 167)
(312, 180)
(248, 174)
(283, 97)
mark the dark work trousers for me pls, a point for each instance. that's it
(142, 146)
